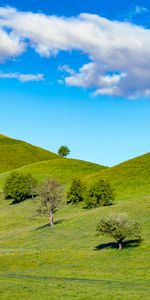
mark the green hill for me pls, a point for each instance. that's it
(62, 169)
(37, 262)
(15, 154)
(41, 163)
(130, 178)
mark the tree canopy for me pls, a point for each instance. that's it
(100, 193)
(51, 194)
(19, 186)
(119, 227)
(64, 151)
(76, 192)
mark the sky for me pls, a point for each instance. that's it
(76, 73)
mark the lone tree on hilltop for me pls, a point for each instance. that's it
(64, 151)
(120, 227)
(100, 193)
(76, 192)
(51, 194)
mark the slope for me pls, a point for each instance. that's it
(37, 262)
(62, 263)
(63, 169)
(15, 154)
(129, 178)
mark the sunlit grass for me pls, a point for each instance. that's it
(37, 261)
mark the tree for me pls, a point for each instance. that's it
(51, 194)
(100, 193)
(76, 191)
(32, 185)
(64, 151)
(18, 186)
(120, 227)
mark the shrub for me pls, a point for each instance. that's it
(18, 187)
(76, 191)
(100, 193)
(120, 227)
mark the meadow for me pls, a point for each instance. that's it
(39, 262)
(69, 261)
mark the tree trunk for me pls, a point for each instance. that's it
(120, 245)
(51, 217)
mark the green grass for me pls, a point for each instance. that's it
(15, 154)
(41, 163)
(63, 170)
(37, 262)
(131, 178)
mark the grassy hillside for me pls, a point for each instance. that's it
(129, 178)
(37, 262)
(15, 154)
(61, 169)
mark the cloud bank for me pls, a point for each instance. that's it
(22, 77)
(118, 52)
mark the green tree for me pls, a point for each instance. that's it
(76, 192)
(19, 186)
(100, 193)
(64, 151)
(119, 227)
(51, 194)
(32, 185)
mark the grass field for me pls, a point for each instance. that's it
(69, 261)
(37, 262)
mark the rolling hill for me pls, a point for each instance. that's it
(41, 163)
(61, 169)
(15, 154)
(64, 262)
(129, 178)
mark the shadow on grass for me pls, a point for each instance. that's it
(114, 245)
(48, 226)
(14, 202)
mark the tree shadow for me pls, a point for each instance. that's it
(48, 226)
(15, 202)
(114, 245)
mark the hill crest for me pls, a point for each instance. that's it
(16, 153)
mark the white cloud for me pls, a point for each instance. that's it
(22, 77)
(137, 10)
(92, 76)
(10, 45)
(140, 9)
(119, 52)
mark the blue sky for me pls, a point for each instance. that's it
(82, 80)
